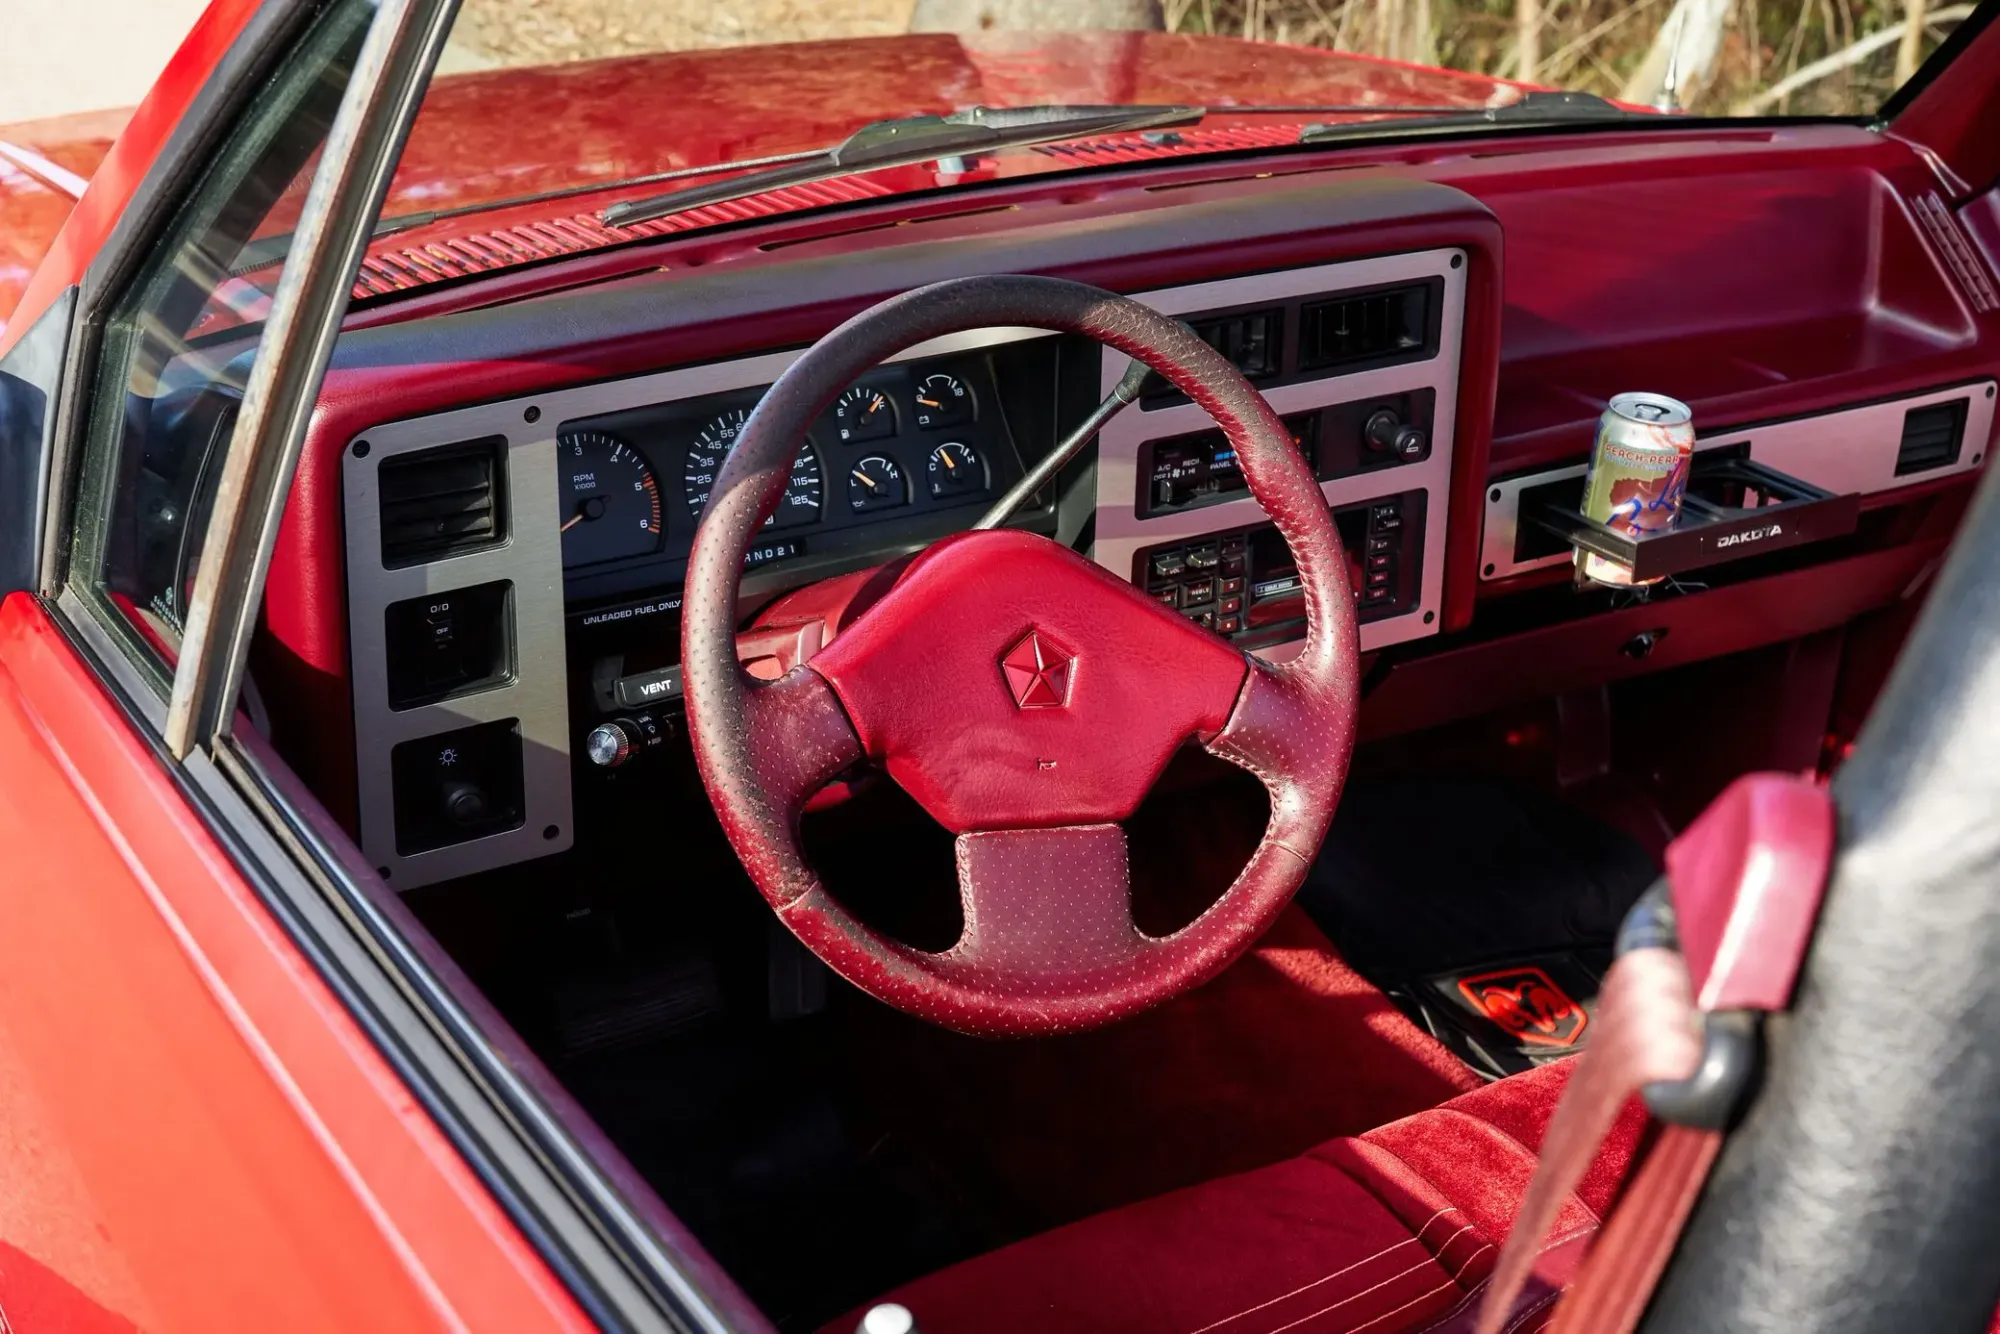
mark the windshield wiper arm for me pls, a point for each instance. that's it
(1538, 108)
(907, 142)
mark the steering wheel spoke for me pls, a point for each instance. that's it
(1294, 729)
(1047, 904)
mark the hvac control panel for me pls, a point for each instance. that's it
(1244, 584)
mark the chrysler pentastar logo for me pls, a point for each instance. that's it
(1039, 671)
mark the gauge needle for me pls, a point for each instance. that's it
(574, 520)
(866, 480)
(927, 403)
(877, 404)
(944, 457)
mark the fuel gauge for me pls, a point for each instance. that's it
(955, 471)
(864, 413)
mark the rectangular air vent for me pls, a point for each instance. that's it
(441, 502)
(1931, 437)
(1364, 326)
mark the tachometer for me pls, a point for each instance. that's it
(609, 496)
(803, 491)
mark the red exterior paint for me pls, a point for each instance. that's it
(119, 174)
(200, 1136)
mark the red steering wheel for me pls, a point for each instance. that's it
(1070, 691)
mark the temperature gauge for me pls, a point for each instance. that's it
(955, 471)
(943, 400)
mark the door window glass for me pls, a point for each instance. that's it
(178, 346)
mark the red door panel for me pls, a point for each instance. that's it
(194, 1135)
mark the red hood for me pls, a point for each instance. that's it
(488, 136)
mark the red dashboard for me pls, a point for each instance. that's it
(1759, 274)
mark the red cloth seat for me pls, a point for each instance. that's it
(1396, 1230)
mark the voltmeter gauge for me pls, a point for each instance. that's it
(610, 499)
(943, 400)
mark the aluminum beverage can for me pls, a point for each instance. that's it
(1638, 474)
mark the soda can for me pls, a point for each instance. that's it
(1638, 474)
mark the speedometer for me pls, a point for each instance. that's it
(804, 491)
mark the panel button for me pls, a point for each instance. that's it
(1233, 584)
(1198, 590)
(1382, 594)
(1204, 619)
(1378, 578)
(1170, 596)
(1203, 558)
(1229, 606)
(1168, 564)
(1228, 625)
(1380, 562)
(1378, 545)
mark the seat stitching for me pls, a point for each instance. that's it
(1386, 1315)
(1529, 1315)
(1476, 1288)
(1314, 1315)
(1397, 1246)
(1469, 1259)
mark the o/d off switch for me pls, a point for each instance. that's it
(449, 643)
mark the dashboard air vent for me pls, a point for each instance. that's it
(1931, 437)
(1364, 326)
(441, 502)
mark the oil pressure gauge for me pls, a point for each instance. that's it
(876, 483)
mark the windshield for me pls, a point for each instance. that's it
(558, 126)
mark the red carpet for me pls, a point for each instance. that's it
(1286, 1050)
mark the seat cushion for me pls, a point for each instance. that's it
(1395, 1230)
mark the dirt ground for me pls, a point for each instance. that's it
(532, 32)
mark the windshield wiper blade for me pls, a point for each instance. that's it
(907, 142)
(1538, 108)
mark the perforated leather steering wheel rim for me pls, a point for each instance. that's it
(763, 747)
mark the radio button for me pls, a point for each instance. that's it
(1233, 584)
(1202, 558)
(1169, 596)
(1167, 564)
(1229, 606)
(1229, 625)
(1198, 590)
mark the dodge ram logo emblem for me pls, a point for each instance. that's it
(1038, 671)
(1528, 1004)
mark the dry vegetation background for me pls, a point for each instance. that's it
(1720, 56)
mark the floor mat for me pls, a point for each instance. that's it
(1486, 910)
(1288, 1048)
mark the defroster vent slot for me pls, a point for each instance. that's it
(442, 502)
(1932, 437)
(1389, 324)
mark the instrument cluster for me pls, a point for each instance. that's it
(905, 441)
